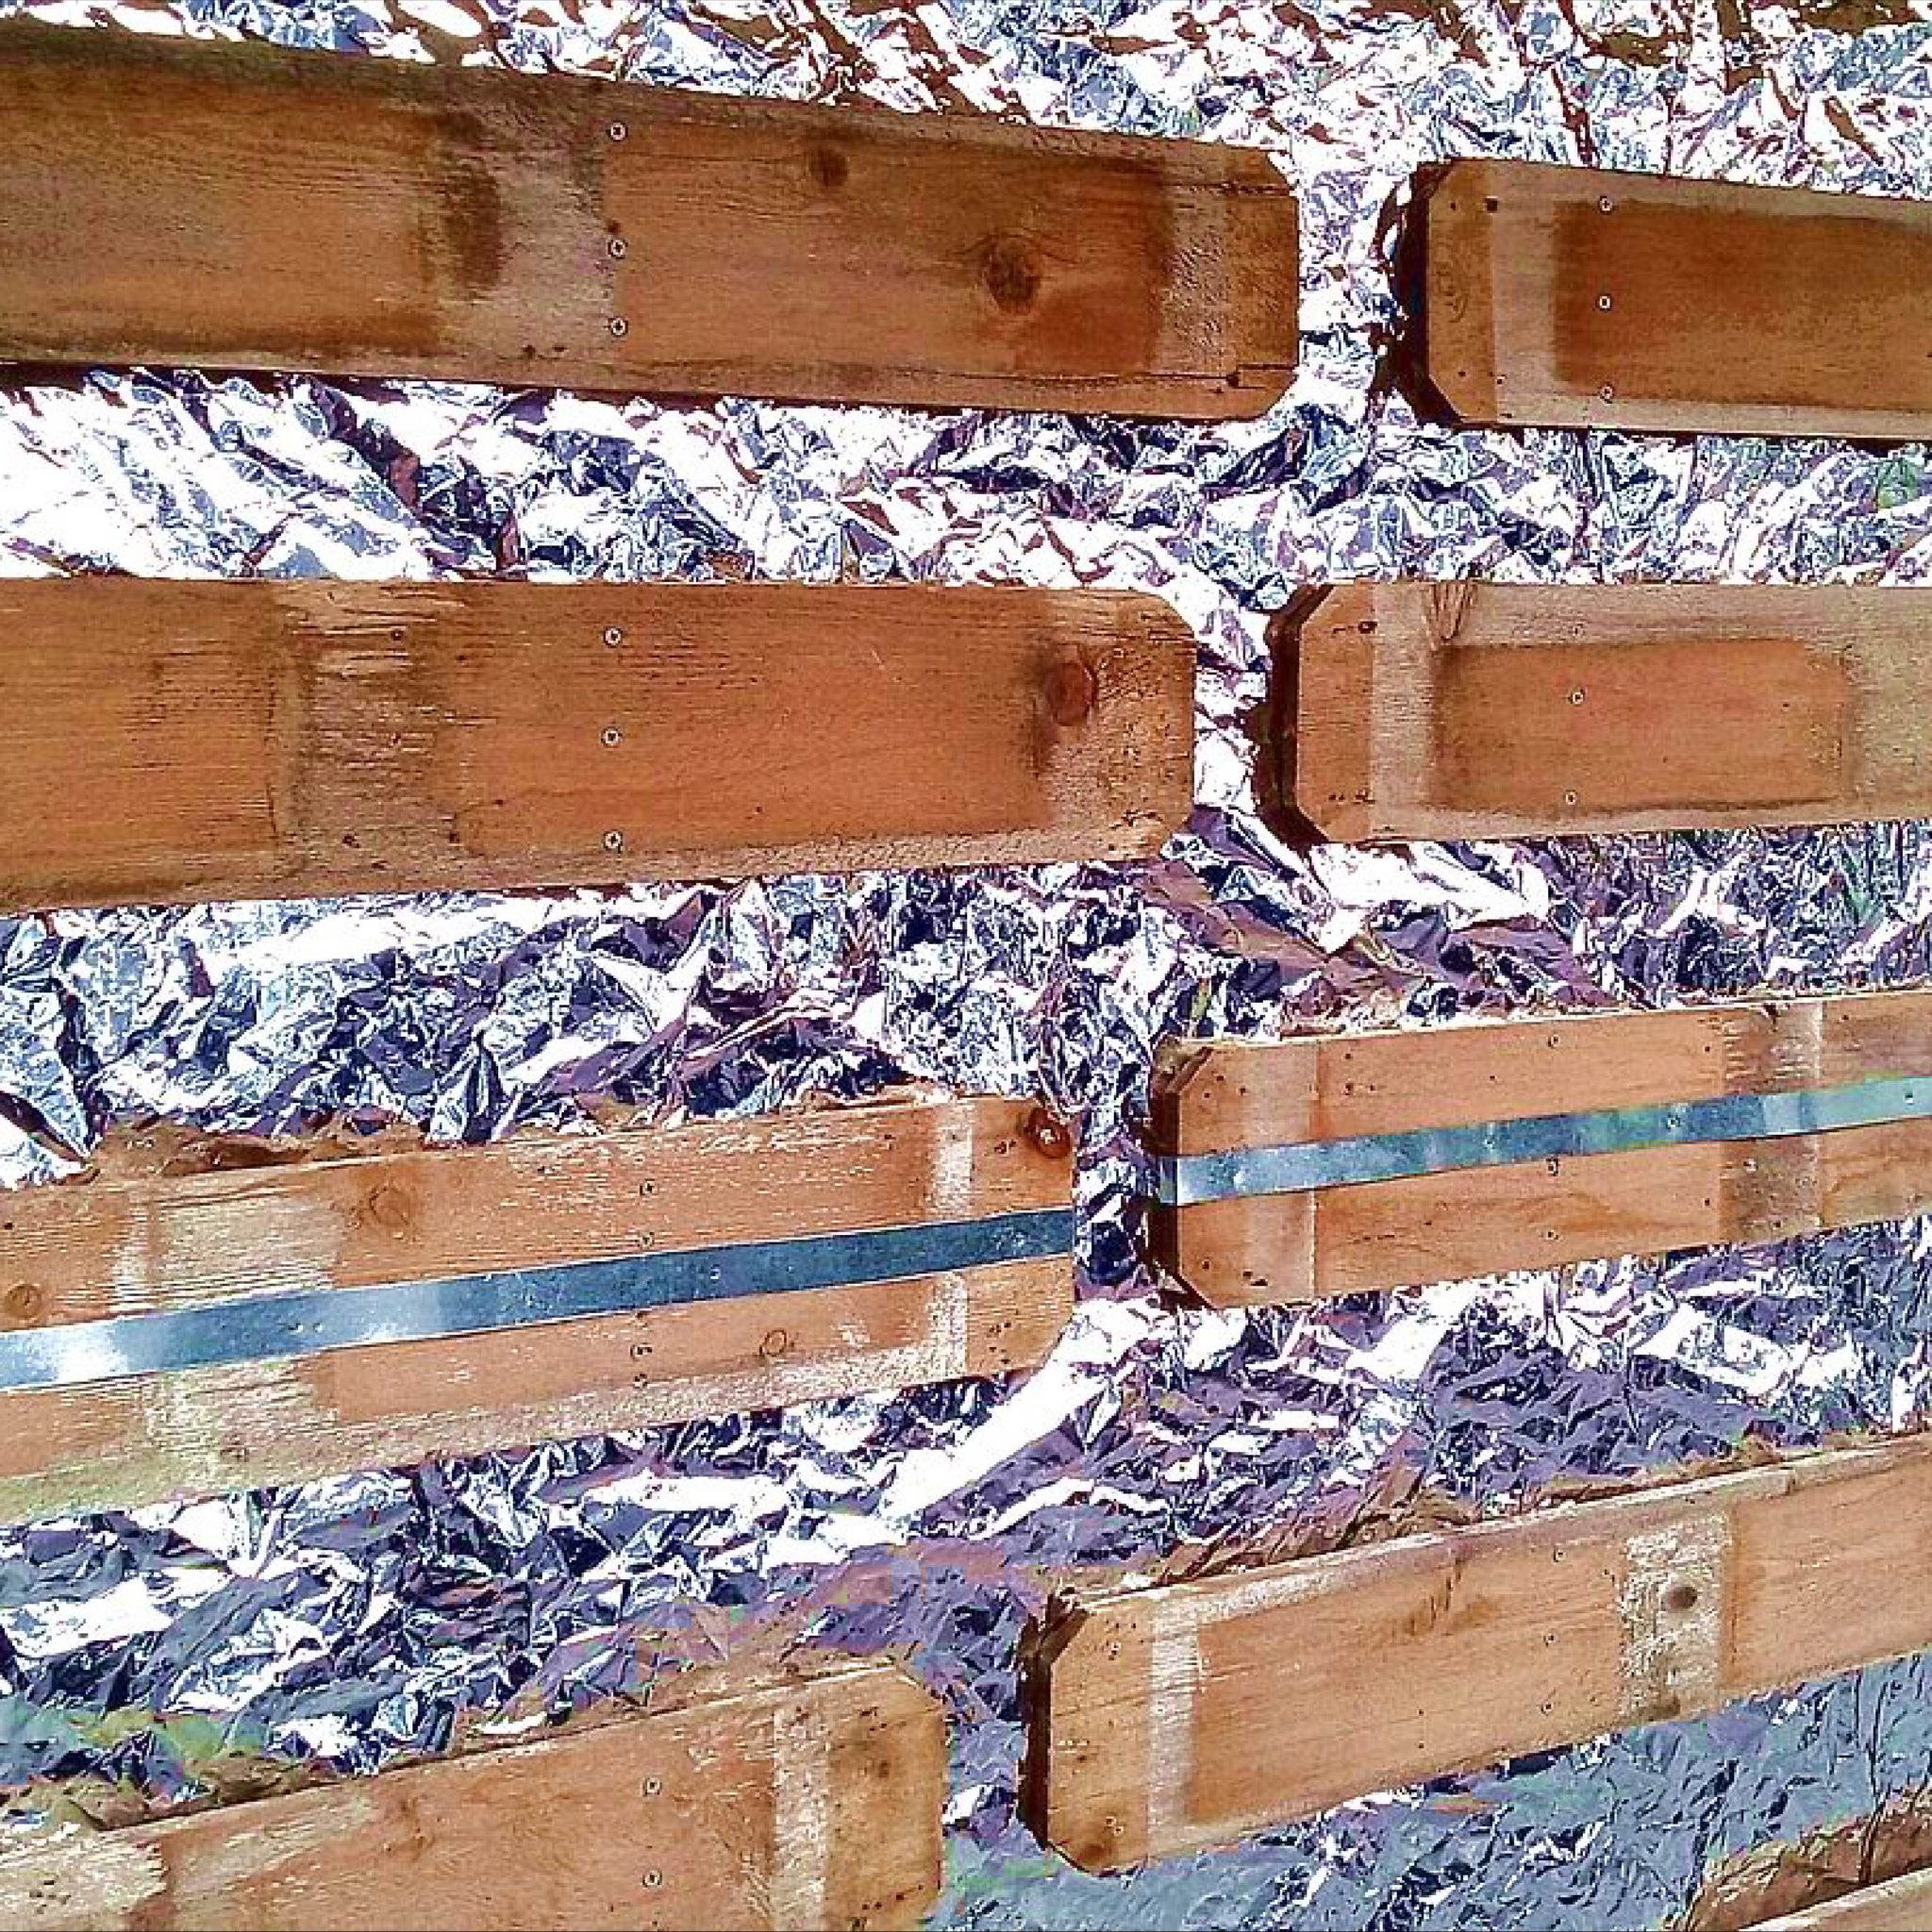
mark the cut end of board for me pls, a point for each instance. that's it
(1452, 368)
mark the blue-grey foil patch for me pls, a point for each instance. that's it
(360, 1619)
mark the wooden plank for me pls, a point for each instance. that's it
(814, 1803)
(149, 1230)
(241, 206)
(1343, 1239)
(1165, 1719)
(162, 742)
(1498, 710)
(1899, 1905)
(1581, 299)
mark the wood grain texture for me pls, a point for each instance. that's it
(808, 1804)
(1574, 298)
(1161, 1721)
(128, 1243)
(167, 742)
(240, 207)
(1899, 1905)
(1479, 710)
(1212, 1097)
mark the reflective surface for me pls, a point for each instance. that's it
(358, 1618)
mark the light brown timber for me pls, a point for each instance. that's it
(810, 1804)
(128, 1242)
(1481, 710)
(1896, 1905)
(1165, 1719)
(1212, 1097)
(244, 207)
(1577, 298)
(174, 742)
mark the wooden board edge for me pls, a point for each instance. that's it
(1895, 1904)
(123, 1868)
(1264, 278)
(1323, 789)
(228, 1432)
(1110, 1621)
(1443, 325)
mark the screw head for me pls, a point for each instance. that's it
(1606, 204)
(618, 130)
(618, 246)
(1050, 1136)
(1603, 302)
(1576, 696)
(612, 736)
(619, 327)
(613, 842)
(614, 636)
(1608, 392)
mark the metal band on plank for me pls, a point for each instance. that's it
(1186, 1179)
(306, 1321)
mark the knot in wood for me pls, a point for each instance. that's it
(1011, 269)
(1072, 691)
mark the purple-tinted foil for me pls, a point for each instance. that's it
(356, 1620)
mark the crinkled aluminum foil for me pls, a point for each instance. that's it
(356, 1619)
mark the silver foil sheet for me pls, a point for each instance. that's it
(358, 1619)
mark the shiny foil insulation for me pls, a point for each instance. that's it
(358, 1619)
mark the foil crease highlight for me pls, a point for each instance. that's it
(361, 1619)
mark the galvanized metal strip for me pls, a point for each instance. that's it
(1183, 1180)
(306, 1321)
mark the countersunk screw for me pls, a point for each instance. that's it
(1603, 302)
(1576, 696)
(1604, 202)
(1608, 392)
(612, 736)
(619, 327)
(614, 636)
(618, 130)
(619, 247)
(613, 842)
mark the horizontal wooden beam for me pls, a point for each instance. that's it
(241, 206)
(1574, 298)
(271, 739)
(1459, 1221)
(1487, 710)
(1161, 1721)
(1898, 1905)
(808, 1803)
(158, 1230)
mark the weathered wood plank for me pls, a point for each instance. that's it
(1169, 1718)
(241, 206)
(1343, 1239)
(162, 742)
(808, 1804)
(1498, 710)
(1898, 1905)
(1575, 298)
(145, 1234)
